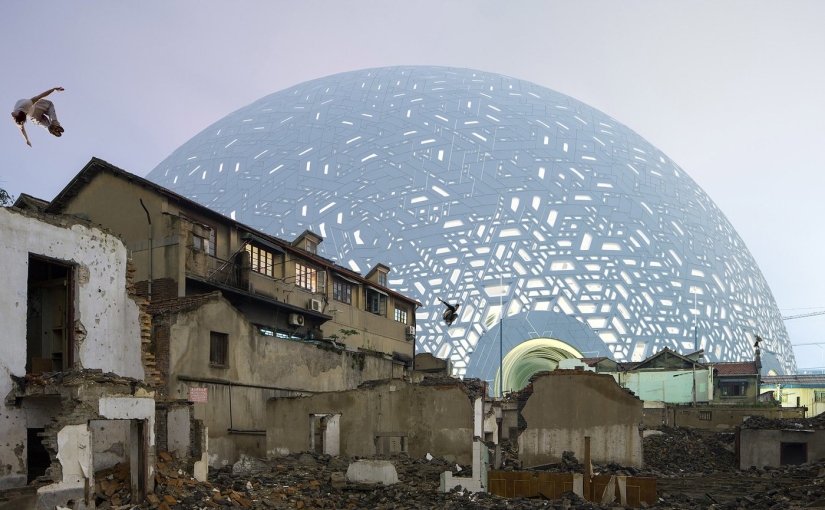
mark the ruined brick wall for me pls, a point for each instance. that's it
(160, 349)
(162, 288)
(151, 374)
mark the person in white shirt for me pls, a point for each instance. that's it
(39, 111)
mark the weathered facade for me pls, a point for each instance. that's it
(560, 408)
(73, 359)
(255, 368)
(283, 287)
(435, 416)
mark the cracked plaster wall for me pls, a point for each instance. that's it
(107, 316)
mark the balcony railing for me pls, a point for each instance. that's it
(226, 272)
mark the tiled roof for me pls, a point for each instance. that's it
(736, 368)
(800, 379)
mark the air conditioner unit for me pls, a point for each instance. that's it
(296, 319)
(314, 305)
(411, 330)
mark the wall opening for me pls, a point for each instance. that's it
(49, 316)
(37, 457)
(119, 461)
(390, 443)
(324, 433)
(793, 453)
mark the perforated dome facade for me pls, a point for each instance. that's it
(497, 193)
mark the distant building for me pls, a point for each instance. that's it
(800, 390)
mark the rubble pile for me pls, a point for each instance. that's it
(762, 422)
(679, 451)
(112, 487)
(312, 481)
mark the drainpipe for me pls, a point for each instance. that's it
(149, 219)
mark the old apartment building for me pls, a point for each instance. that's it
(240, 315)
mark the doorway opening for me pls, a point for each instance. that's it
(793, 453)
(49, 316)
(325, 433)
(37, 457)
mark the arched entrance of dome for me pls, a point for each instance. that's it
(530, 357)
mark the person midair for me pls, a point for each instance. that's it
(451, 313)
(39, 111)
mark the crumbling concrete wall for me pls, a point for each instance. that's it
(568, 405)
(258, 367)
(435, 419)
(106, 318)
(713, 417)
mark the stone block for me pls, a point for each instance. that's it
(372, 471)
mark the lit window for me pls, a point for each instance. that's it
(306, 277)
(218, 349)
(342, 291)
(261, 261)
(401, 315)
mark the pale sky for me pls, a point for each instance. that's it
(732, 91)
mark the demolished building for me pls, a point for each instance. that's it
(379, 418)
(75, 370)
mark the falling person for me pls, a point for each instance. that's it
(39, 111)
(451, 313)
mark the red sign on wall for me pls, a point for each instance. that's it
(197, 395)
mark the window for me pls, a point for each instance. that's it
(819, 396)
(705, 415)
(733, 389)
(201, 243)
(342, 291)
(306, 277)
(261, 261)
(203, 234)
(312, 246)
(376, 302)
(218, 349)
(400, 315)
(382, 278)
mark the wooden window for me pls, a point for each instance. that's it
(400, 315)
(382, 278)
(306, 277)
(261, 260)
(376, 302)
(218, 349)
(312, 246)
(733, 389)
(342, 291)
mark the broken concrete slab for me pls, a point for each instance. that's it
(372, 471)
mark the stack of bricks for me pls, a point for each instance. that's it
(113, 487)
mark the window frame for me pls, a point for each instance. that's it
(218, 349)
(258, 254)
(403, 313)
(306, 276)
(342, 289)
